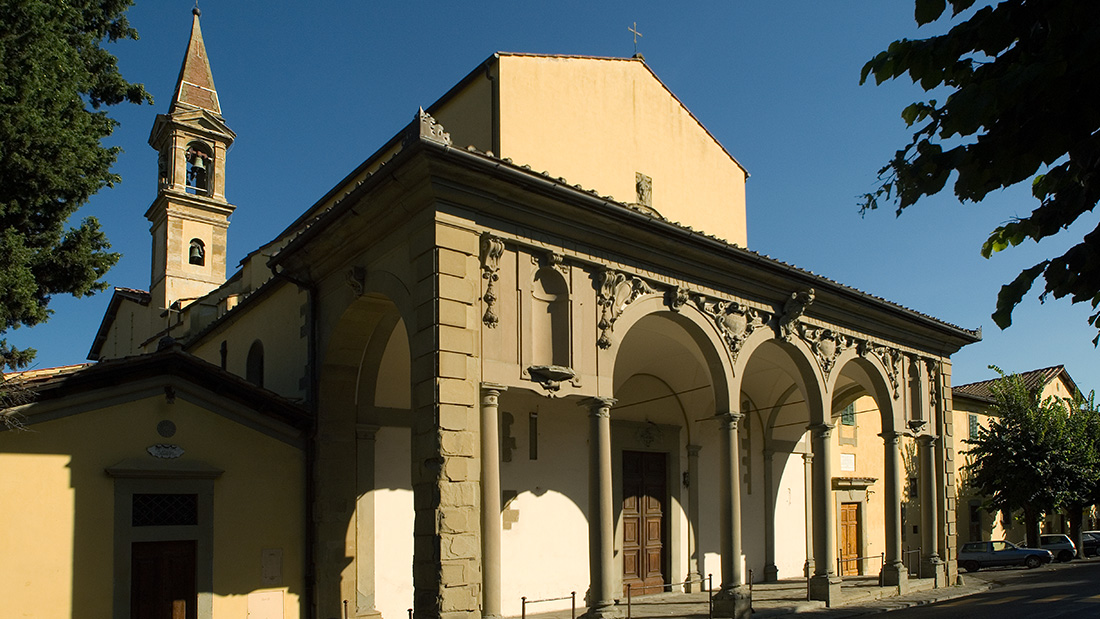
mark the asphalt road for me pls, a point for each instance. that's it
(1059, 590)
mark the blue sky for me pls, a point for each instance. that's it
(311, 91)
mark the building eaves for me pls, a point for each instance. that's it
(1034, 380)
(504, 167)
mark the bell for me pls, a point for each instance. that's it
(196, 254)
(198, 161)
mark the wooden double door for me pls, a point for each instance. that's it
(162, 583)
(850, 537)
(645, 495)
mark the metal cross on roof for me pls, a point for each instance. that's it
(637, 34)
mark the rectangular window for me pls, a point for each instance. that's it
(974, 426)
(533, 436)
(848, 416)
(165, 510)
(913, 485)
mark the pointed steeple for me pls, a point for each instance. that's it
(195, 87)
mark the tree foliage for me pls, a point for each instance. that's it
(1022, 85)
(1035, 455)
(54, 79)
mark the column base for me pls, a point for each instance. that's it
(825, 588)
(771, 573)
(808, 569)
(896, 575)
(734, 602)
(694, 583)
(937, 569)
(603, 610)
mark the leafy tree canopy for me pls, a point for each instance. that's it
(1022, 105)
(54, 78)
(1035, 455)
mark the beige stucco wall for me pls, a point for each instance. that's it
(597, 122)
(57, 525)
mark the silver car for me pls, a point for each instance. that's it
(1060, 545)
(973, 556)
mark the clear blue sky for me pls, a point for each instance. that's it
(311, 89)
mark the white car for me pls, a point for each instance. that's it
(1061, 546)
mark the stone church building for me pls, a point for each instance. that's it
(522, 350)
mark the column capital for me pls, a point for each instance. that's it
(928, 440)
(730, 418)
(366, 431)
(890, 437)
(807, 457)
(598, 406)
(491, 390)
(693, 450)
(821, 430)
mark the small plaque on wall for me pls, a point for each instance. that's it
(848, 463)
(271, 567)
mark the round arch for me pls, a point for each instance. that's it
(868, 372)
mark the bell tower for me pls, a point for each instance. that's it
(190, 216)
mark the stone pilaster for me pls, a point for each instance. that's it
(601, 516)
(735, 598)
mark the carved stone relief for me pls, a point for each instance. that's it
(356, 277)
(676, 297)
(826, 344)
(551, 376)
(615, 291)
(793, 309)
(891, 358)
(933, 384)
(492, 248)
(735, 321)
(644, 186)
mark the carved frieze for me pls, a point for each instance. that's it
(614, 291)
(492, 248)
(793, 309)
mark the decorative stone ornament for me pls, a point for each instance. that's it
(933, 383)
(428, 128)
(826, 344)
(676, 297)
(891, 359)
(356, 277)
(551, 376)
(165, 451)
(614, 291)
(735, 321)
(492, 248)
(793, 309)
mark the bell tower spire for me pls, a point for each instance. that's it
(190, 216)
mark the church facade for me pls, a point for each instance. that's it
(522, 350)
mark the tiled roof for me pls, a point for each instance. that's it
(1034, 380)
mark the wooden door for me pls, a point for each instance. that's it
(645, 492)
(849, 540)
(162, 582)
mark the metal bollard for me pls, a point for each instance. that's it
(710, 596)
(629, 588)
(410, 613)
(573, 610)
(523, 607)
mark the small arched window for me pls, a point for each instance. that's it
(254, 367)
(200, 162)
(196, 254)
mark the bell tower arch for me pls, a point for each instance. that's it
(190, 216)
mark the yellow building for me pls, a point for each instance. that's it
(527, 326)
(972, 411)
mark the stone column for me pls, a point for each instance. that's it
(808, 475)
(893, 569)
(771, 572)
(735, 598)
(694, 576)
(825, 583)
(364, 521)
(490, 500)
(601, 515)
(932, 564)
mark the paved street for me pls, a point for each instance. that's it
(1060, 590)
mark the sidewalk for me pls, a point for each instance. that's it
(859, 596)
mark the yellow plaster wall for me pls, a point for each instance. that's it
(277, 322)
(57, 521)
(468, 116)
(596, 122)
(869, 452)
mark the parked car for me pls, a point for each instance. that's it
(1061, 546)
(1090, 542)
(975, 555)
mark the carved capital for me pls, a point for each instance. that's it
(730, 420)
(492, 248)
(793, 309)
(490, 394)
(821, 431)
(598, 406)
(927, 440)
(892, 439)
(693, 450)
